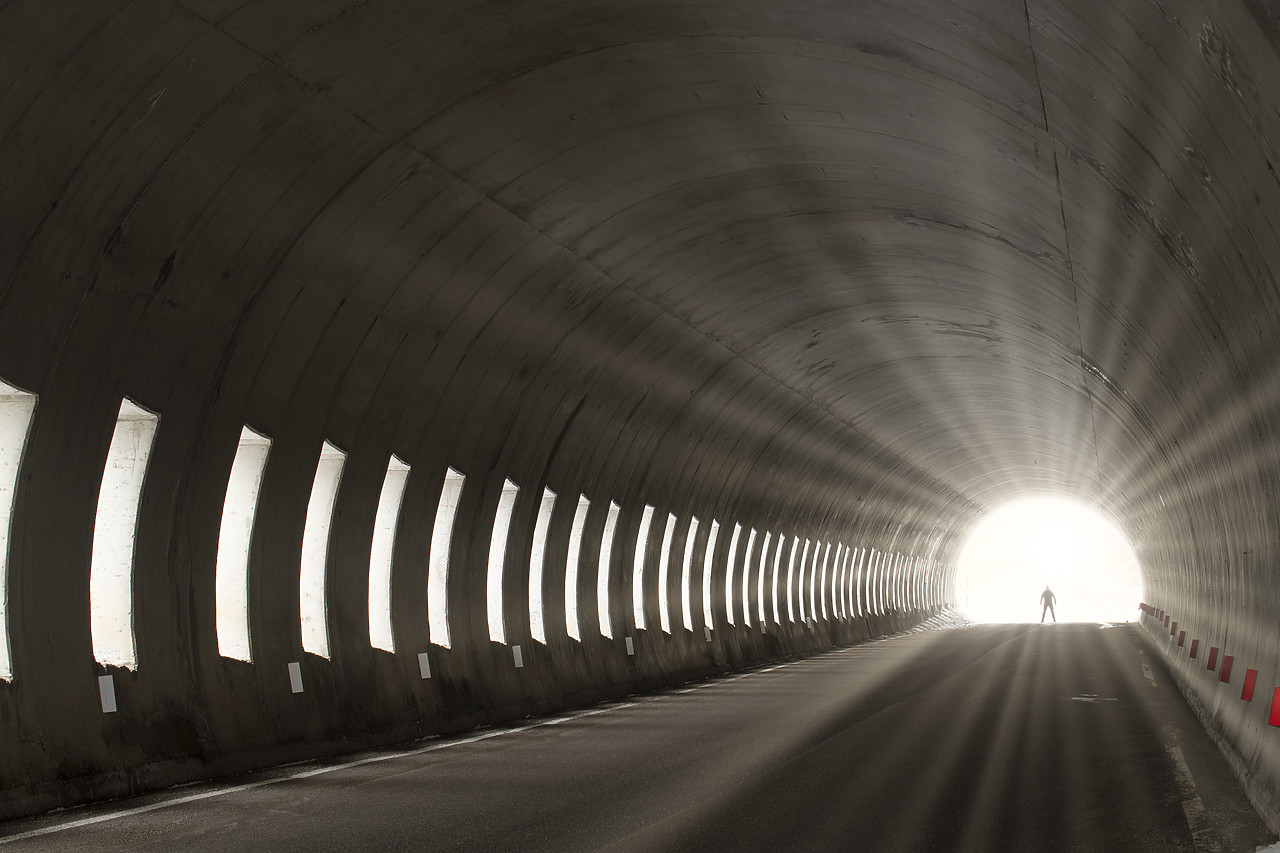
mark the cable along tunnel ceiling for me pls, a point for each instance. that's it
(1002, 247)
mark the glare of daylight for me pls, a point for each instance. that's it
(1022, 546)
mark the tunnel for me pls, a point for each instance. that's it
(376, 369)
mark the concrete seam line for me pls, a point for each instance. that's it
(306, 774)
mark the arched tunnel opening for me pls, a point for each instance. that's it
(377, 370)
(1030, 544)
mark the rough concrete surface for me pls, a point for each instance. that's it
(849, 274)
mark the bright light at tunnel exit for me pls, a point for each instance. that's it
(1022, 546)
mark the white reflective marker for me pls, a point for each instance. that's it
(637, 568)
(631, 646)
(664, 566)
(231, 577)
(573, 625)
(729, 586)
(312, 607)
(107, 694)
(438, 560)
(295, 677)
(517, 657)
(537, 562)
(746, 577)
(424, 665)
(708, 558)
(114, 529)
(495, 603)
(381, 551)
(602, 575)
(16, 410)
(686, 576)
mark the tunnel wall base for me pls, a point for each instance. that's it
(119, 777)
(1254, 767)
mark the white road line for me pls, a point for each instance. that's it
(307, 774)
(1146, 670)
(1192, 806)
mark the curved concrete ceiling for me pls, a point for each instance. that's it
(876, 268)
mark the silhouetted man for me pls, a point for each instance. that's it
(1047, 598)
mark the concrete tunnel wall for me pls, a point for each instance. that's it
(852, 275)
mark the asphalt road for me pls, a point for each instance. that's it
(1013, 737)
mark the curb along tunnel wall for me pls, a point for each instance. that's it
(850, 281)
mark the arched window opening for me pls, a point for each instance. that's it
(746, 576)
(114, 530)
(873, 562)
(16, 410)
(708, 556)
(494, 602)
(791, 577)
(637, 568)
(231, 576)
(315, 551)
(603, 585)
(438, 561)
(822, 584)
(573, 625)
(686, 576)
(729, 581)
(859, 575)
(537, 564)
(385, 524)
(764, 556)
(777, 574)
(664, 570)
(895, 584)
